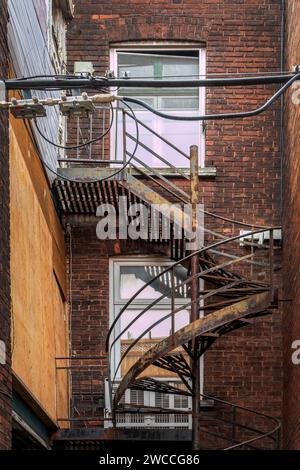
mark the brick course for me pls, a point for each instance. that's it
(5, 370)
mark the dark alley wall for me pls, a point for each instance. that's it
(291, 224)
(5, 369)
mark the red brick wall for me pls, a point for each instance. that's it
(239, 36)
(5, 370)
(291, 220)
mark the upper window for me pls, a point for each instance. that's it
(171, 64)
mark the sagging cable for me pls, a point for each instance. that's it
(210, 117)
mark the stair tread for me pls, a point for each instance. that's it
(153, 385)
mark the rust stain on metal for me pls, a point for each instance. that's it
(257, 303)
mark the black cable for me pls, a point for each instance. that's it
(61, 76)
(98, 82)
(216, 74)
(210, 117)
(47, 76)
(220, 75)
(99, 180)
(75, 147)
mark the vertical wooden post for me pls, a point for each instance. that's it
(195, 304)
(271, 262)
(123, 173)
(172, 303)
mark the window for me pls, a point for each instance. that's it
(58, 13)
(127, 276)
(162, 63)
(137, 397)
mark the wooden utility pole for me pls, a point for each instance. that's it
(195, 360)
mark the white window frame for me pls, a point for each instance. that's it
(114, 286)
(166, 46)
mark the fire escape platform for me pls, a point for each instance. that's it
(90, 169)
(84, 195)
(94, 435)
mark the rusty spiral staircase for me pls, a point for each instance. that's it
(223, 290)
(225, 283)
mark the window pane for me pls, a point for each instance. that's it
(181, 401)
(132, 278)
(157, 66)
(149, 66)
(162, 400)
(169, 103)
(178, 67)
(135, 65)
(181, 134)
(137, 397)
(140, 325)
(145, 136)
(147, 340)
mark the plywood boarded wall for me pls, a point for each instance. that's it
(39, 309)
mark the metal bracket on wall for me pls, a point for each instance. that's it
(2, 91)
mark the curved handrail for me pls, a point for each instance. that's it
(257, 413)
(160, 320)
(261, 434)
(247, 442)
(169, 268)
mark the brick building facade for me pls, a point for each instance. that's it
(241, 178)
(5, 365)
(238, 37)
(291, 207)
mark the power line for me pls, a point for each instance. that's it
(75, 147)
(215, 74)
(208, 117)
(226, 75)
(100, 82)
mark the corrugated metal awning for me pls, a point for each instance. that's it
(83, 197)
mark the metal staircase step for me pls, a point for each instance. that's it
(151, 197)
(152, 385)
(174, 362)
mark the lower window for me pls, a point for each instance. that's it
(139, 329)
